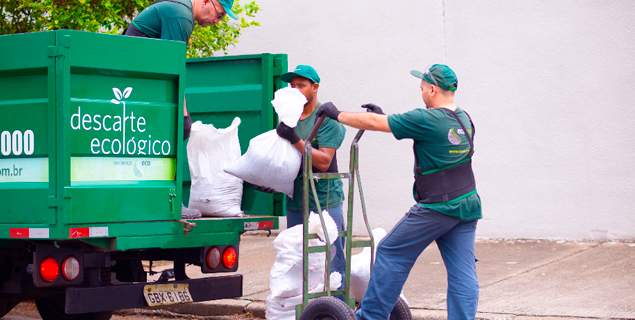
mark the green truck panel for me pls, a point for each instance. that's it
(221, 88)
(91, 136)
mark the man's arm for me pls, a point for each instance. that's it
(365, 120)
(374, 119)
(321, 157)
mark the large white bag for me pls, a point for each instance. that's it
(271, 161)
(285, 279)
(209, 150)
(360, 268)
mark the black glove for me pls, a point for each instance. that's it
(373, 108)
(288, 133)
(187, 126)
(328, 109)
(263, 189)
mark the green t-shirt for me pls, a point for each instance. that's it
(330, 135)
(439, 142)
(169, 20)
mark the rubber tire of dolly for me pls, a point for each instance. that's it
(401, 311)
(327, 307)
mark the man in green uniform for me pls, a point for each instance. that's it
(174, 20)
(448, 205)
(324, 153)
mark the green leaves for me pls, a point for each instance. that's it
(207, 40)
(113, 16)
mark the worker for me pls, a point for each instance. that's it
(174, 20)
(447, 204)
(324, 154)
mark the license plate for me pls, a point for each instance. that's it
(164, 294)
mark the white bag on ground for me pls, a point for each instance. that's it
(285, 279)
(360, 268)
(209, 151)
(271, 161)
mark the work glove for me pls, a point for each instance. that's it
(263, 189)
(373, 108)
(187, 126)
(328, 109)
(287, 133)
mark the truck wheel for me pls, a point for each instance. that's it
(401, 311)
(327, 308)
(6, 304)
(52, 308)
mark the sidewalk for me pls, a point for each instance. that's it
(520, 279)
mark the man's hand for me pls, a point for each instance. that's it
(328, 109)
(373, 108)
(287, 133)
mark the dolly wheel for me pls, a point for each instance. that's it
(401, 311)
(327, 308)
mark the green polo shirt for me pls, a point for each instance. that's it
(330, 135)
(439, 143)
(169, 20)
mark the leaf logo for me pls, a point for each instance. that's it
(120, 96)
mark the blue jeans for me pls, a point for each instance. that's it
(294, 217)
(398, 251)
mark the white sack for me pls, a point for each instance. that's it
(279, 308)
(360, 268)
(289, 103)
(270, 161)
(209, 150)
(285, 278)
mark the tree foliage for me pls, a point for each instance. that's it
(113, 16)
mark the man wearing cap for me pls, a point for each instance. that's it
(448, 205)
(174, 20)
(329, 138)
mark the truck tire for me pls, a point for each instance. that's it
(52, 308)
(6, 304)
(327, 308)
(401, 311)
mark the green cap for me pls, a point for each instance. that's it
(439, 75)
(227, 5)
(304, 71)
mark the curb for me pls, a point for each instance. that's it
(229, 307)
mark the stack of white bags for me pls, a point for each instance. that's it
(285, 279)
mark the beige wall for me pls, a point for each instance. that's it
(550, 85)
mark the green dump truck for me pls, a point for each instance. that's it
(93, 170)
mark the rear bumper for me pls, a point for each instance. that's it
(125, 296)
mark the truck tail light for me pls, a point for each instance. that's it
(230, 257)
(212, 258)
(49, 269)
(70, 268)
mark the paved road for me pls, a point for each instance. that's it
(27, 311)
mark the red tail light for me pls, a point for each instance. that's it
(230, 257)
(212, 258)
(49, 269)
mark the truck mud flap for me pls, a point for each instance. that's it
(125, 296)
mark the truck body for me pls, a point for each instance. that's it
(93, 170)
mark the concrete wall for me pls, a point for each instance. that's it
(550, 85)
